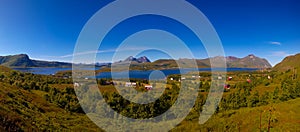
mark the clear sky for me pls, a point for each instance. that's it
(48, 29)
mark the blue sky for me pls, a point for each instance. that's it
(48, 29)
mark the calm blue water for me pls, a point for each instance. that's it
(146, 74)
(132, 74)
(46, 71)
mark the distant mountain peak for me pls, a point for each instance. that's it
(130, 59)
(143, 59)
(251, 56)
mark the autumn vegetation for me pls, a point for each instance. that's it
(269, 102)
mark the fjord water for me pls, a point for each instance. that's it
(124, 74)
(47, 71)
(146, 74)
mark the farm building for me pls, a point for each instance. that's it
(227, 86)
(148, 87)
(130, 84)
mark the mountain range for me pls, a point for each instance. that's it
(143, 63)
(250, 61)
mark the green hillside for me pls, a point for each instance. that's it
(283, 116)
(270, 100)
(26, 104)
(289, 63)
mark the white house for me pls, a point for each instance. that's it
(130, 84)
(148, 87)
(133, 84)
(76, 84)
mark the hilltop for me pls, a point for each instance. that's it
(289, 63)
(23, 60)
(132, 59)
(250, 61)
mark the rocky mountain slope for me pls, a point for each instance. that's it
(23, 60)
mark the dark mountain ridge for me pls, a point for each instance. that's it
(23, 60)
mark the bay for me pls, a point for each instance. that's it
(132, 74)
(145, 74)
(47, 71)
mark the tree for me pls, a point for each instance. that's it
(254, 100)
(47, 97)
(1, 77)
(275, 94)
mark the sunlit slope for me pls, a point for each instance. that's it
(23, 109)
(289, 63)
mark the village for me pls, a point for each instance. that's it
(232, 80)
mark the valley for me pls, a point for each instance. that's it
(32, 102)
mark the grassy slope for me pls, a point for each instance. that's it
(289, 62)
(28, 110)
(248, 119)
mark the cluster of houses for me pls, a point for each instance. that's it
(134, 84)
(227, 86)
(184, 78)
(127, 84)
